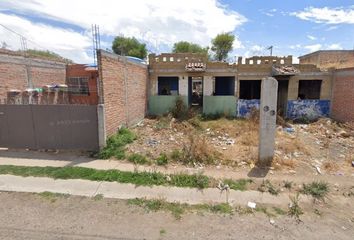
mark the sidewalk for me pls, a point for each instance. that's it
(62, 159)
(128, 191)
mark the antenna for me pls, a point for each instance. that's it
(271, 50)
(96, 41)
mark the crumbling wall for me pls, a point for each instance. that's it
(13, 73)
(123, 90)
(343, 95)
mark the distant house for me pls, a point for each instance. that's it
(82, 84)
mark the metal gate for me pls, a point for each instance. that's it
(49, 127)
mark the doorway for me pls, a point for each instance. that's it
(195, 93)
(282, 101)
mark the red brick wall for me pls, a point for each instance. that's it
(13, 73)
(124, 87)
(80, 70)
(343, 95)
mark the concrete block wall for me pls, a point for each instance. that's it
(13, 73)
(123, 90)
(343, 95)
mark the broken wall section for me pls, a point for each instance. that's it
(122, 90)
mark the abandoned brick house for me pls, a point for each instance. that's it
(234, 89)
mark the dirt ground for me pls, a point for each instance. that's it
(31, 216)
(321, 147)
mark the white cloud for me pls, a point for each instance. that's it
(318, 46)
(296, 46)
(334, 46)
(269, 13)
(314, 47)
(311, 37)
(327, 15)
(155, 21)
(66, 42)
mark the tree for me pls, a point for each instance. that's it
(222, 45)
(188, 47)
(127, 46)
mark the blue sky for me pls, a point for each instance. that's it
(292, 27)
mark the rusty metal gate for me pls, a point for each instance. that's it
(49, 127)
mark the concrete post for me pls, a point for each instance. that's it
(267, 120)
(101, 126)
(208, 86)
(183, 85)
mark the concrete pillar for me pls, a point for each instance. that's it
(267, 120)
(208, 86)
(183, 85)
(101, 126)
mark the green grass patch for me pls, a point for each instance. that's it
(116, 143)
(137, 178)
(137, 158)
(279, 211)
(318, 190)
(240, 184)
(178, 209)
(162, 159)
(223, 208)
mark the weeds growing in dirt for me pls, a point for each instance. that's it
(279, 211)
(137, 158)
(267, 186)
(98, 197)
(223, 208)
(52, 197)
(162, 159)
(288, 185)
(115, 144)
(176, 155)
(317, 190)
(294, 207)
(197, 150)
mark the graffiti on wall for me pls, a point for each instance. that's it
(244, 107)
(310, 109)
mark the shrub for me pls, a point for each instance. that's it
(162, 159)
(318, 190)
(179, 110)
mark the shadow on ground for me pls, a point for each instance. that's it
(75, 157)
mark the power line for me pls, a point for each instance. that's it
(21, 36)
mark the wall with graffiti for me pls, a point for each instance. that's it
(310, 109)
(244, 107)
